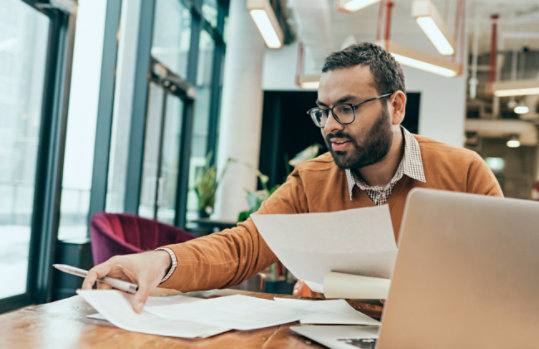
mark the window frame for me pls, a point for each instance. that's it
(49, 163)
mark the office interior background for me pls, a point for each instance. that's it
(114, 105)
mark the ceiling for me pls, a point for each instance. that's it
(322, 28)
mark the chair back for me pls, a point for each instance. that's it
(121, 233)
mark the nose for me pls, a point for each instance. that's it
(331, 125)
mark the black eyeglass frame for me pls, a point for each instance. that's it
(352, 105)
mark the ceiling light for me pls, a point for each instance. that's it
(266, 22)
(521, 109)
(513, 142)
(421, 60)
(353, 5)
(508, 88)
(434, 26)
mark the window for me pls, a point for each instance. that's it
(23, 47)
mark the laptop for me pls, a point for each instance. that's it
(466, 274)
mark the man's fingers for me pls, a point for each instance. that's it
(103, 286)
(140, 298)
(95, 273)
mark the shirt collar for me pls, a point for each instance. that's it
(411, 164)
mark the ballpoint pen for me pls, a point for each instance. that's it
(118, 284)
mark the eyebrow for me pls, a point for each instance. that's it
(344, 99)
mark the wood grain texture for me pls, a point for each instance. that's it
(63, 324)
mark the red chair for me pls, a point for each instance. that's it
(121, 233)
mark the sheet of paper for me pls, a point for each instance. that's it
(115, 306)
(339, 285)
(358, 241)
(237, 312)
(338, 337)
(335, 311)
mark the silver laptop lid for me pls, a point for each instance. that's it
(466, 274)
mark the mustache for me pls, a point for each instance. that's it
(337, 135)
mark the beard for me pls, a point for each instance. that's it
(376, 145)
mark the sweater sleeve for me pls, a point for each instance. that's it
(481, 180)
(227, 258)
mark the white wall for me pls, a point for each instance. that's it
(279, 70)
(442, 109)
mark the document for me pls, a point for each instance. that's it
(236, 312)
(335, 312)
(358, 241)
(115, 306)
(340, 285)
(189, 317)
(340, 337)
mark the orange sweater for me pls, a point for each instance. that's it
(225, 259)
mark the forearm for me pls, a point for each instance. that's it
(219, 260)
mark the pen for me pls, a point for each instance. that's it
(118, 284)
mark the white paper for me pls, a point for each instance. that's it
(337, 337)
(339, 285)
(115, 306)
(237, 312)
(336, 311)
(358, 241)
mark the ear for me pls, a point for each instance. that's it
(397, 105)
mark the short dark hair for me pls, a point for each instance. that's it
(387, 73)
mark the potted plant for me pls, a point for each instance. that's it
(206, 184)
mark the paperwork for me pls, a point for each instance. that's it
(335, 311)
(358, 241)
(235, 312)
(340, 285)
(188, 317)
(115, 307)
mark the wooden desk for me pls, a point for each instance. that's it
(63, 324)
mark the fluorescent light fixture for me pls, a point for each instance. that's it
(515, 87)
(434, 26)
(309, 82)
(354, 5)
(421, 60)
(266, 22)
(513, 142)
(521, 109)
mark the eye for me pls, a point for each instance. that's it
(320, 114)
(346, 109)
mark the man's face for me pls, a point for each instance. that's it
(368, 139)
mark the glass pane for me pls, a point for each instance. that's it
(209, 11)
(81, 121)
(151, 151)
(123, 103)
(172, 35)
(23, 45)
(168, 179)
(202, 114)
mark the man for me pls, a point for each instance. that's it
(373, 161)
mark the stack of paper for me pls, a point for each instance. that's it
(188, 317)
(323, 249)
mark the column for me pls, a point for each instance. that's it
(241, 112)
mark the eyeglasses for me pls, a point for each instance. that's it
(343, 113)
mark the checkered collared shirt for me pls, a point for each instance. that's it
(411, 165)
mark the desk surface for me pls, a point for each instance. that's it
(63, 324)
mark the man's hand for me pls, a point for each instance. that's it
(145, 269)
